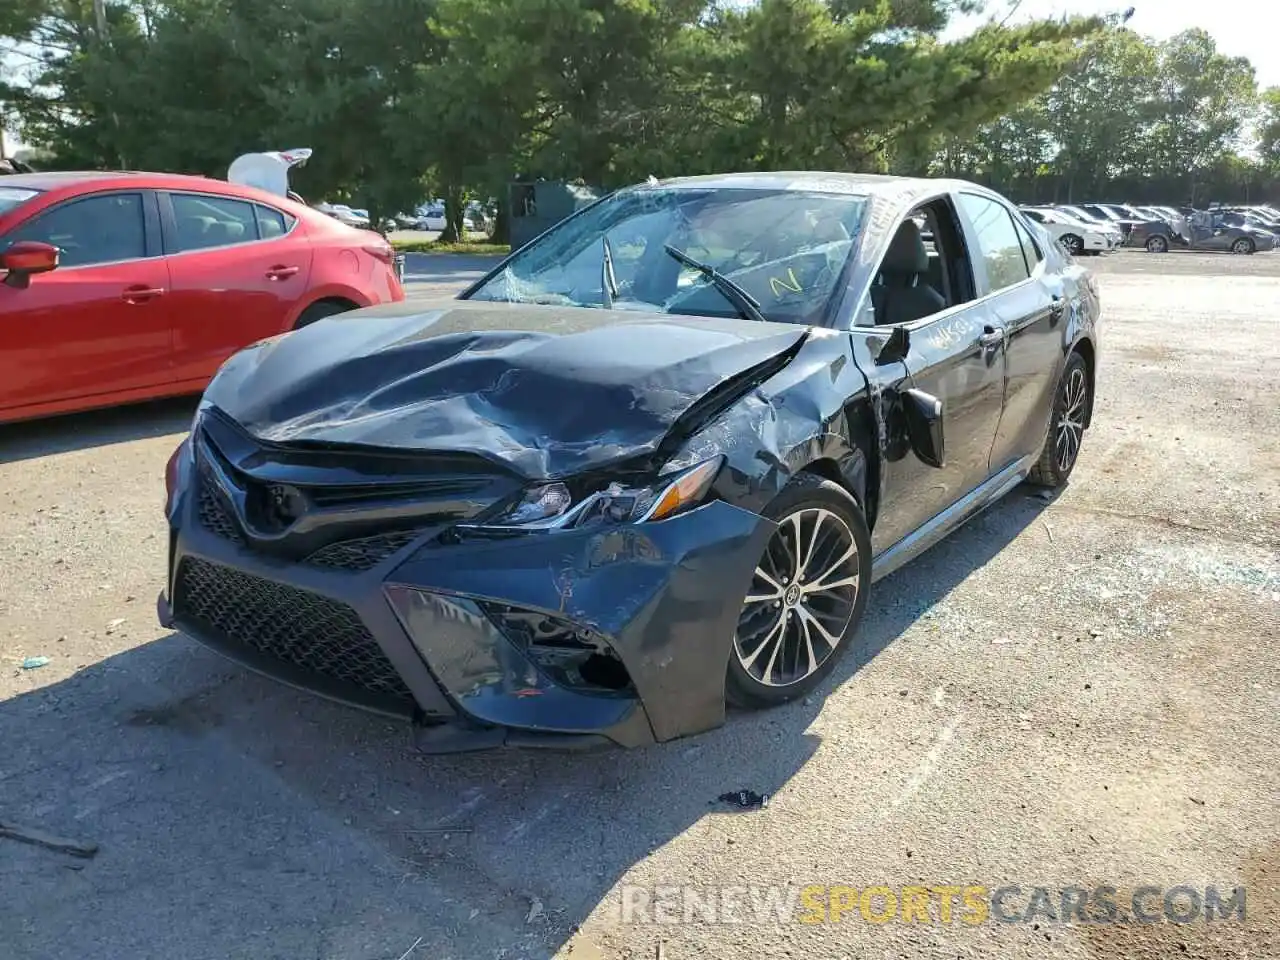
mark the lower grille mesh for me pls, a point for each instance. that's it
(362, 554)
(296, 626)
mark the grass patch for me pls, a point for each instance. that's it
(473, 247)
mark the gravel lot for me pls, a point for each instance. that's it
(1079, 692)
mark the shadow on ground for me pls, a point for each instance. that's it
(97, 428)
(240, 819)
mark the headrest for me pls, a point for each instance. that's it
(907, 254)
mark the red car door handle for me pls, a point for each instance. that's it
(141, 294)
(281, 272)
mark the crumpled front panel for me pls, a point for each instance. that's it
(545, 391)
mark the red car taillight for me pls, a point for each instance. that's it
(383, 251)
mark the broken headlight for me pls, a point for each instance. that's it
(550, 506)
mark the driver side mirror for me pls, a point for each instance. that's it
(923, 413)
(24, 259)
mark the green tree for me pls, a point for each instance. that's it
(1202, 102)
(1269, 130)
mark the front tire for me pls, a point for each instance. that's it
(1157, 244)
(1243, 246)
(1072, 244)
(1072, 404)
(807, 597)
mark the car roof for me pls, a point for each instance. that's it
(106, 179)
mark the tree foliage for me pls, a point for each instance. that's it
(1152, 121)
(403, 99)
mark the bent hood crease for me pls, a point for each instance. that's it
(544, 391)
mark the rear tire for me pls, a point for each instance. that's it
(320, 310)
(1157, 244)
(1072, 406)
(807, 598)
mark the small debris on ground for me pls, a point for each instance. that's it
(536, 911)
(1197, 801)
(745, 799)
(34, 663)
(40, 838)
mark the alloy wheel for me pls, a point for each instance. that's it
(802, 598)
(1073, 244)
(1070, 430)
(1241, 246)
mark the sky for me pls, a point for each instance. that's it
(1241, 28)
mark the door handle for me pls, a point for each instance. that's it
(141, 294)
(991, 336)
(281, 272)
(1056, 308)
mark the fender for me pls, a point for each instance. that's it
(329, 291)
(814, 414)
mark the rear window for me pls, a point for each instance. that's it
(273, 223)
(11, 197)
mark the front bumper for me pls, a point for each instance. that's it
(425, 632)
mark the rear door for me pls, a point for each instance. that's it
(96, 325)
(238, 267)
(1028, 301)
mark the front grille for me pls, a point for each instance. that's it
(296, 626)
(362, 554)
(214, 515)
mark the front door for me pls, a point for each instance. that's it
(98, 324)
(956, 354)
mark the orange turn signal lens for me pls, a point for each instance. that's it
(687, 489)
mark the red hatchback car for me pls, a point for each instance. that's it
(160, 278)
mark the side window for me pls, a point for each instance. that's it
(273, 223)
(998, 241)
(205, 221)
(1030, 249)
(925, 270)
(99, 229)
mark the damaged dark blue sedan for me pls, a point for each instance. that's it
(649, 465)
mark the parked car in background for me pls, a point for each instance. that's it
(1246, 218)
(1211, 231)
(430, 216)
(719, 435)
(1076, 236)
(1152, 232)
(126, 286)
(1077, 212)
(344, 214)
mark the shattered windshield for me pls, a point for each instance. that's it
(786, 249)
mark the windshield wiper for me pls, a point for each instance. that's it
(608, 280)
(747, 305)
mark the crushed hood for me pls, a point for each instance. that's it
(545, 391)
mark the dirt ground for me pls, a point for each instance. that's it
(1073, 693)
